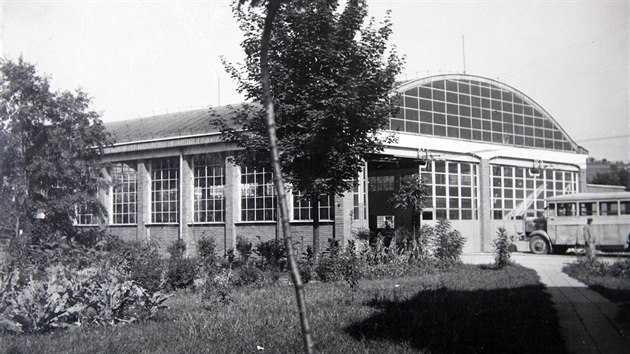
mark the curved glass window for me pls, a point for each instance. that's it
(477, 111)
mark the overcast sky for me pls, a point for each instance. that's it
(140, 58)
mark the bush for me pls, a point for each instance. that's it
(66, 297)
(344, 267)
(502, 248)
(181, 272)
(177, 249)
(244, 248)
(306, 271)
(272, 253)
(248, 275)
(206, 251)
(140, 261)
(620, 269)
(585, 267)
(449, 244)
(424, 237)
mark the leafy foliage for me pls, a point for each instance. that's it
(244, 248)
(502, 248)
(411, 194)
(66, 297)
(51, 145)
(273, 253)
(206, 252)
(140, 261)
(181, 272)
(449, 243)
(330, 80)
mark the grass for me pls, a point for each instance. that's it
(610, 280)
(465, 310)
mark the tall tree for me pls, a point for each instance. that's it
(330, 79)
(50, 159)
(411, 195)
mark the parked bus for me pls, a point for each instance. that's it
(561, 225)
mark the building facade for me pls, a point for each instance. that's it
(488, 153)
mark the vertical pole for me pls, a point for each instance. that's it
(464, 53)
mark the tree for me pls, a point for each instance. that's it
(50, 159)
(614, 177)
(330, 80)
(411, 195)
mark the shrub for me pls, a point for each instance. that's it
(206, 251)
(273, 253)
(333, 247)
(181, 271)
(249, 275)
(306, 271)
(177, 249)
(344, 267)
(449, 244)
(620, 269)
(502, 248)
(140, 261)
(424, 236)
(244, 248)
(65, 297)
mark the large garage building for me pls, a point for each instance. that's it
(489, 153)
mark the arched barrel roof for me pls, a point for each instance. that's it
(475, 108)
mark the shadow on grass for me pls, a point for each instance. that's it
(518, 320)
(619, 297)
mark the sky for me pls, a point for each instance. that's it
(142, 58)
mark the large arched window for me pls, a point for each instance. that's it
(478, 109)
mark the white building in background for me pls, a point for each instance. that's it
(488, 152)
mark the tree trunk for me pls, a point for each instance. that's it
(315, 216)
(272, 9)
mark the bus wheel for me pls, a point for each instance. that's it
(538, 245)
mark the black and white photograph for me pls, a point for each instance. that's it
(317, 176)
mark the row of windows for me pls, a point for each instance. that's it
(453, 187)
(258, 199)
(516, 189)
(604, 208)
(476, 111)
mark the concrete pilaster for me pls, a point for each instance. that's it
(485, 206)
(144, 200)
(582, 186)
(186, 205)
(343, 219)
(104, 196)
(232, 200)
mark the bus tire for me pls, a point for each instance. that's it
(538, 245)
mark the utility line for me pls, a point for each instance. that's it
(604, 138)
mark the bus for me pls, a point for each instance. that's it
(561, 225)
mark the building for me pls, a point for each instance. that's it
(489, 153)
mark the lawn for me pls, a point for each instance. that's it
(612, 280)
(469, 309)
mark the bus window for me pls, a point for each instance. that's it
(566, 209)
(587, 208)
(608, 208)
(551, 210)
(624, 207)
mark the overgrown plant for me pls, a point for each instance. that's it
(181, 272)
(449, 243)
(502, 245)
(244, 248)
(65, 297)
(206, 251)
(272, 253)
